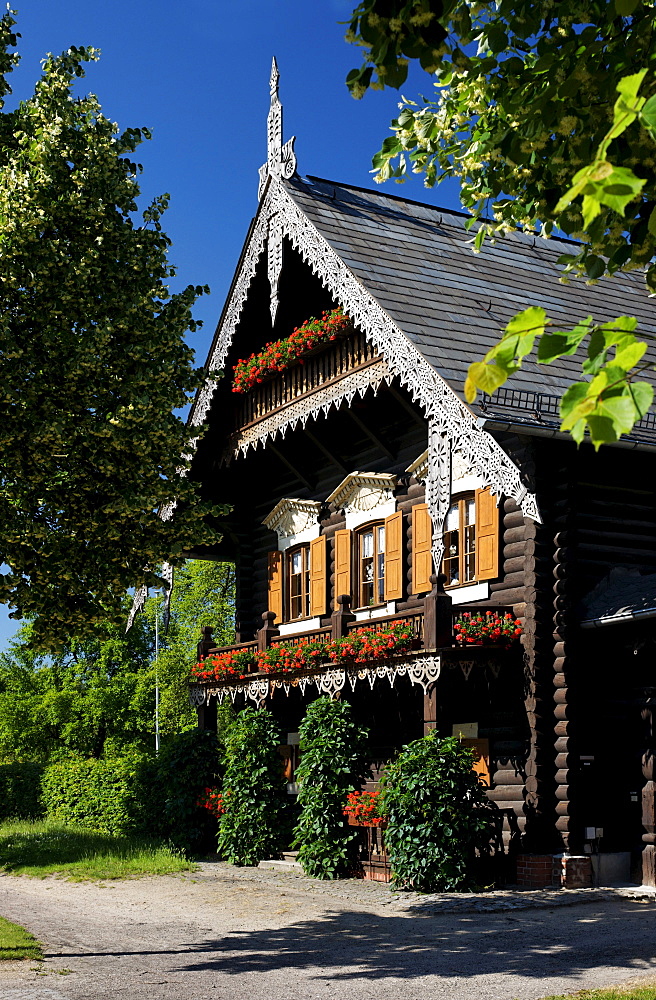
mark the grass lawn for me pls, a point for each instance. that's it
(617, 993)
(16, 942)
(48, 847)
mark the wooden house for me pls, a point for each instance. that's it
(357, 476)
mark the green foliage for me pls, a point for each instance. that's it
(93, 363)
(608, 403)
(546, 115)
(186, 764)
(99, 690)
(438, 815)
(332, 764)
(203, 594)
(251, 827)
(138, 793)
(94, 690)
(48, 847)
(102, 795)
(17, 943)
(20, 790)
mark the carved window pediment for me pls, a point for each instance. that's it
(363, 491)
(291, 517)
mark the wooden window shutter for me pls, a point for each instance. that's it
(342, 563)
(274, 577)
(318, 576)
(422, 558)
(487, 535)
(394, 557)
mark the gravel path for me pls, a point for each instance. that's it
(267, 934)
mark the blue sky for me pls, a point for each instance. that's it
(197, 75)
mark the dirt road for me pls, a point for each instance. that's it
(245, 935)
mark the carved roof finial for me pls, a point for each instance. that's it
(281, 160)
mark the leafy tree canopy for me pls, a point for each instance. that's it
(545, 111)
(92, 362)
(97, 693)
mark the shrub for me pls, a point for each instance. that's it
(20, 790)
(102, 795)
(332, 763)
(187, 764)
(133, 792)
(438, 815)
(251, 827)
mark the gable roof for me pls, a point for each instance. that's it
(417, 261)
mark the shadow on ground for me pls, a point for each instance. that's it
(346, 945)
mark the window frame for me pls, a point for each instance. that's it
(305, 595)
(461, 500)
(378, 581)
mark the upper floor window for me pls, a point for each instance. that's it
(471, 539)
(370, 566)
(460, 542)
(298, 583)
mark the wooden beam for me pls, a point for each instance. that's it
(331, 458)
(370, 434)
(299, 475)
(422, 421)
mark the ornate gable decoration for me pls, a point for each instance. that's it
(290, 517)
(452, 427)
(363, 491)
(281, 162)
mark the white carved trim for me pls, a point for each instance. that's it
(419, 468)
(363, 491)
(290, 517)
(423, 670)
(467, 484)
(309, 406)
(452, 426)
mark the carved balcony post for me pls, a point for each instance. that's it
(438, 625)
(342, 617)
(206, 642)
(267, 632)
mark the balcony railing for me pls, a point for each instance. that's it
(330, 363)
(432, 627)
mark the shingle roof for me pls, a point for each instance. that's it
(417, 261)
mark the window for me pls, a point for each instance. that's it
(298, 583)
(370, 565)
(460, 542)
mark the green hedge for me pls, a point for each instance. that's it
(20, 791)
(103, 795)
(138, 793)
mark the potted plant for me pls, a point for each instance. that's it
(489, 629)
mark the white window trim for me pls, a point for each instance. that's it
(299, 625)
(466, 484)
(356, 518)
(380, 612)
(469, 592)
(301, 538)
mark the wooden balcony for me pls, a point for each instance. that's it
(327, 365)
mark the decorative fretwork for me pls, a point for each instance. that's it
(310, 405)
(422, 670)
(290, 517)
(452, 426)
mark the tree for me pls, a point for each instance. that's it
(546, 114)
(97, 692)
(92, 362)
(203, 594)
